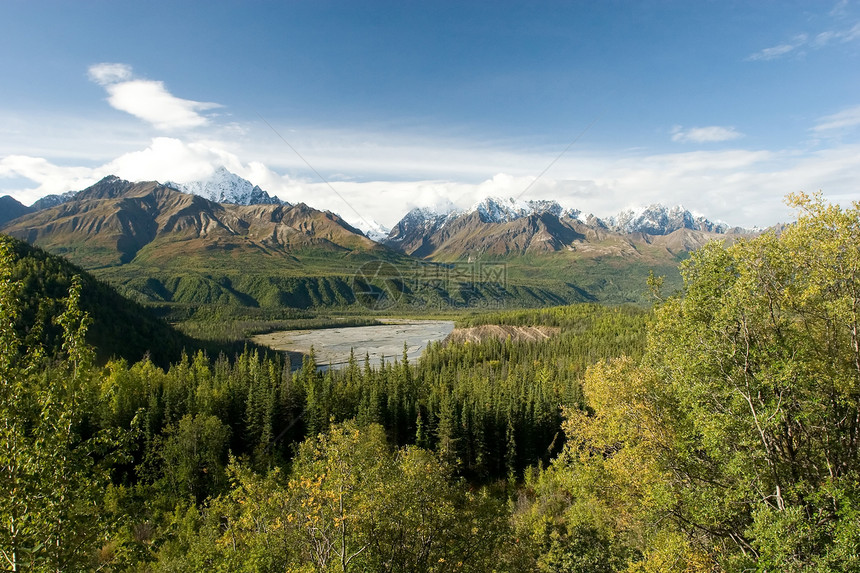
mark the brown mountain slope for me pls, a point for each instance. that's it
(116, 222)
(468, 236)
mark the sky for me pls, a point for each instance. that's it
(372, 108)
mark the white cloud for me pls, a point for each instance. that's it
(50, 178)
(779, 50)
(168, 159)
(846, 118)
(820, 40)
(148, 100)
(710, 134)
(106, 73)
(742, 187)
(164, 159)
(824, 38)
(846, 35)
(773, 52)
(840, 8)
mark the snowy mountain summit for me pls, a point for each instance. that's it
(420, 220)
(226, 187)
(371, 228)
(660, 220)
(497, 210)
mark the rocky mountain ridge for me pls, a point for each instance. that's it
(223, 186)
(657, 219)
(504, 227)
(117, 221)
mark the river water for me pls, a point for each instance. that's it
(332, 345)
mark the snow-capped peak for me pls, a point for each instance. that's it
(371, 229)
(659, 220)
(49, 201)
(497, 210)
(226, 187)
(422, 221)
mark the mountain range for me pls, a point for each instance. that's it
(175, 243)
(115, 222)
(222, 186)
(504, 227)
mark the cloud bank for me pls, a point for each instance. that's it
(710, 134)
(742, 187)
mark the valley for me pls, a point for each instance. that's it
(176, 246)
(430, 287)
(560, 382)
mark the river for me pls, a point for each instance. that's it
(332, 345)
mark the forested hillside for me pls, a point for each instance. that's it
(119, 327)
(718, 433)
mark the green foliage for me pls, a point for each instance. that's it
(53, 464)
(733, 445)
(769, 379)
(193, 454)
(334, 513)
(488, 409)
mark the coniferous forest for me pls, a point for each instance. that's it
(718, 430)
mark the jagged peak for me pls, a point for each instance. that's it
(499, 210)
(369, 227)
(657, 219)
(224, 186)
(492, 210)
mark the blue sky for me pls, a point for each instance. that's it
(724, 106)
